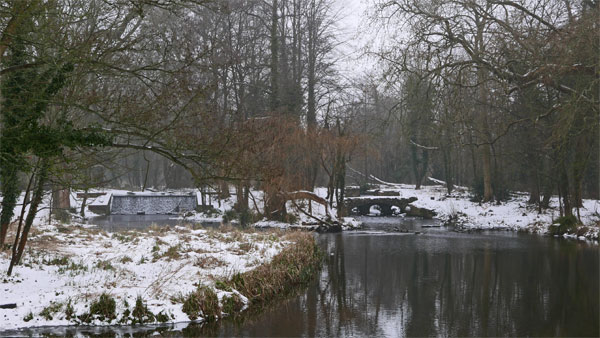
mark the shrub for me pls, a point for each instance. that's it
(58, 261)
(233, 304)
(28, 317)
(564, 224)
(104, 308)
(140, 313)
(162, 317)
(291, 219)
(126, 259)
(105, 265)
(74, 268)
(222, 286)
(501, 193)
(203, 301)
(477, 191)
(69, 311)
(230, 215)
(173, 252)
(50, 310)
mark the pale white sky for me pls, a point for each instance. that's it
(356, 34)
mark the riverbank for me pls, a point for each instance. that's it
(73, 275)
(457, 210)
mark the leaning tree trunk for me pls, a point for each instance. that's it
(38, 194)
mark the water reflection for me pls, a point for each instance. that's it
(442, 284)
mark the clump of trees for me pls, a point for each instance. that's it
(164, 93)
(497, 95)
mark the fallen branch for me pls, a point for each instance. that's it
(374, 178)
(303, 194)
(422, 146)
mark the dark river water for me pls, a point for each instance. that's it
(382, 282)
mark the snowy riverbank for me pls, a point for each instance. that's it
(67, 268)
(514, 214)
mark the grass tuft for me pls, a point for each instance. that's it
(50, 310)
(105, 265)
(104, 309)
(202, 303)
(141, 314)
(233, 304)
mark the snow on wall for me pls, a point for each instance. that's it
(132, 204)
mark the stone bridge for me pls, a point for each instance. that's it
(363, 205)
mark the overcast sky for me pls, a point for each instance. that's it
(353, 25)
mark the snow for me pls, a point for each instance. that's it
(125, 265)
(514, 214)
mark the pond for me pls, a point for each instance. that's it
(383, 282)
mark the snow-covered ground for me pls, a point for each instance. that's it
(514, 214)
(74, 265)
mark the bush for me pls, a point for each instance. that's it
(564, 224)
(243, 217)
(50, 310)
(141, 314)
(230, 215)
(69, 311)
(202, 302)
(233, 304)
(162, 317)
(104, 308)
(477, 191)
(105, 265)
(58, 261)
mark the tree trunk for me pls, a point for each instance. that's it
(565, 191)
(274, 97)
(61, 203)
(488, 192)
(38, 194)
(10, 194)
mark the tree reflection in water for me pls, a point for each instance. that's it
(441, 284)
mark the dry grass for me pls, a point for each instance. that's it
(202, 302)
(209, 262)
(292, 267)
(244, 248)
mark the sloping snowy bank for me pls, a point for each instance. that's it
(66, 268)
(514, 214)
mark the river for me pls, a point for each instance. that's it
(383, 282)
